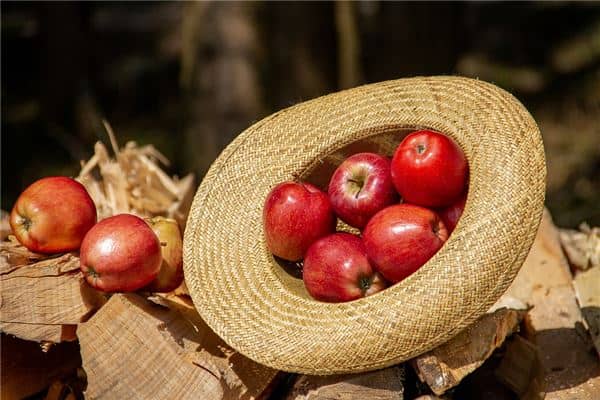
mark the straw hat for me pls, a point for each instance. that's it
(265, 313)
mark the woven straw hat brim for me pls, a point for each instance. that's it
(259, 309)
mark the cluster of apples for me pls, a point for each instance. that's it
(121, 253)
(405, 208)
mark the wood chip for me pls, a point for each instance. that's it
(445, 366)
(554, 323)
(162, 352)
(386, 384)
(587, 290)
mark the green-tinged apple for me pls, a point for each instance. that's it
(170, 275)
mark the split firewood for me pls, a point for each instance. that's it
(13, 254)
(27, 370)
(482, 383)
(133, 182)
(582, 247)
(445, 366)
(385, 384)
(587, 290)
(521, 370)
(45, 300)
(133, 348)
(555, 323)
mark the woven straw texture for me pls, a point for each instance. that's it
(265, 313)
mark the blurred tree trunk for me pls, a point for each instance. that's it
(410, 38)
(63, 68)
(349, 67)
(219, 75)
(301, 46)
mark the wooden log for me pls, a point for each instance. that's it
(521, 370)
(445, 366)
(26, 369)
(587, 290)
(554, 324)
(482, 384)
(582, 247)
(386, 384)
(44, 301)
(133, 348)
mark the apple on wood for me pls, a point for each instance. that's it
(295, 215)
(53, 215)
(170, 275)
(429, 169)
(401, 238)
(336, 269)
(360, 187)
(120, 254)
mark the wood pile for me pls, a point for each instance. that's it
(62, 339)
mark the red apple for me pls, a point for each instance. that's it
(295, 215)
(120, 254)
(401, 238)
(429, 169)
(336, 268)
(361, 186)
(53, 215)
(451, 214)
(170, 275)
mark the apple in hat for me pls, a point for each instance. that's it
(53, 215)
(336, 269)
(451, 214)
(295, 215)
(360, 187)
(401, 238)
(429, 169)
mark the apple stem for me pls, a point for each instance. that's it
(92, 272)
(364, 282)
(25, 221)
(435, 226)
(420, 148)
(360, 185)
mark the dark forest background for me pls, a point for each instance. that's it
(188, 77)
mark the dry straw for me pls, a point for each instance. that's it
(259, 309)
